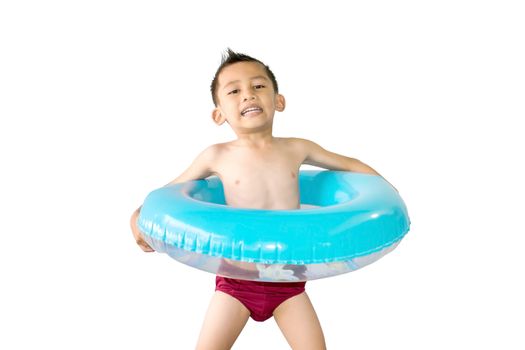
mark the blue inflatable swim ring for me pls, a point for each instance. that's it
(351, 220)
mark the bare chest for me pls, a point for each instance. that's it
(260, 180)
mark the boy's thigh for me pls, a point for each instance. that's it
(224, 321)
(298, 321)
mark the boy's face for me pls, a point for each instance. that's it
(246, 98)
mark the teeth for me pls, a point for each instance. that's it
(250, 110)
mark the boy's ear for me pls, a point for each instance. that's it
(280, 103)
(217, 116)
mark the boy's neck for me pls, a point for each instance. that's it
(255, 139)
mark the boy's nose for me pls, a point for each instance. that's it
(248, 96)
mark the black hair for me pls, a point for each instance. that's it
(230, 57)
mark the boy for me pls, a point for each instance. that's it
(257, 171)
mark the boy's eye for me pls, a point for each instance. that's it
(233, 92)
(259, 86)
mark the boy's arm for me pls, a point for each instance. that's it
(318, 156)
(201, 168)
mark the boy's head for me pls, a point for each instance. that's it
(245, 94)
(231, 57)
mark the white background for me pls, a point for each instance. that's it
(103, 101)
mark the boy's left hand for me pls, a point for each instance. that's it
(137, 234)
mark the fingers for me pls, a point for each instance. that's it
(145, 246)
(142, 243)
(136, 233)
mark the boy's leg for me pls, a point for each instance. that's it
(224, 321)
(298, 321)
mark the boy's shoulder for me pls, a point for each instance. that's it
(219, 147)
(215, 150)
(297, 142)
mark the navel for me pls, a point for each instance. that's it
(237, 182)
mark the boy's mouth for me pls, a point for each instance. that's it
(251, 111)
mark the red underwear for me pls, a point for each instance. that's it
(260, 298)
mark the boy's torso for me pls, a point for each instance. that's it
(261, 178)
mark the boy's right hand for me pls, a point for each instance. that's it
(137, 234)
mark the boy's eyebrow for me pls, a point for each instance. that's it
(252, 78)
